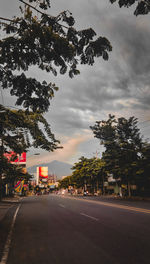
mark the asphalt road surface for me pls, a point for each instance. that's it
(52, 229)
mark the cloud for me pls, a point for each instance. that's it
(70, 149)
(134, 60)
(119, 86)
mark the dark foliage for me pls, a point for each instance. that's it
(52, 44)
(142, 7)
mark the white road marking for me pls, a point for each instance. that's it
(61, 205)
(89, 216)
(8, 241)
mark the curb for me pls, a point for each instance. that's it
(6, 204)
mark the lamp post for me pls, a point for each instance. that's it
(1, 150)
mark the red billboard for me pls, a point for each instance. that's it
(20, 158)
(43, 172)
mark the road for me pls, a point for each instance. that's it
(52, 229)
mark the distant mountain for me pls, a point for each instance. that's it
(55, 167)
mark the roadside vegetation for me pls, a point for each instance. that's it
(125, 163)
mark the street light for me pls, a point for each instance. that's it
(34, 154)
(96, 154)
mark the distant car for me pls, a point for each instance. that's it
(85, 193)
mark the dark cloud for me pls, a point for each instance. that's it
(134, 57)
(134, 46)
(67, 120)
(119, 85)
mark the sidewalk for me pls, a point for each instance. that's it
(6, 204)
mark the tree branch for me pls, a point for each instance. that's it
(33, 7)
(10, 20)
(42, 13)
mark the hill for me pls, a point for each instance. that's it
(55, 167)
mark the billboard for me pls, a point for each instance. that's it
(20, 159)
(43, 172)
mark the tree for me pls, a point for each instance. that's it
(123, 144)
(105, 131)
(18, 132)
(49, 43)
(130, 144)
(88, 172)
(100, 173)
(66, 182)
(52, 44)
(143, 173)
(80, 172)
(12, 173)
(142, 7)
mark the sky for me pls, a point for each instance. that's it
(119, 86)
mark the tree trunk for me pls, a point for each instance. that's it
(0, 186)
(103, 188)
(97, 186)
(129, 189)
(85, 186)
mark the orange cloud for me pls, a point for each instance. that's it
(70, 149)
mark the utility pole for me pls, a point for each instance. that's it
(96, 154)
(1, 166)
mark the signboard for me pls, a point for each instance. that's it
(20, 159)
(18, 187)
(43, 172)
(43, 180)
(52, 186)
